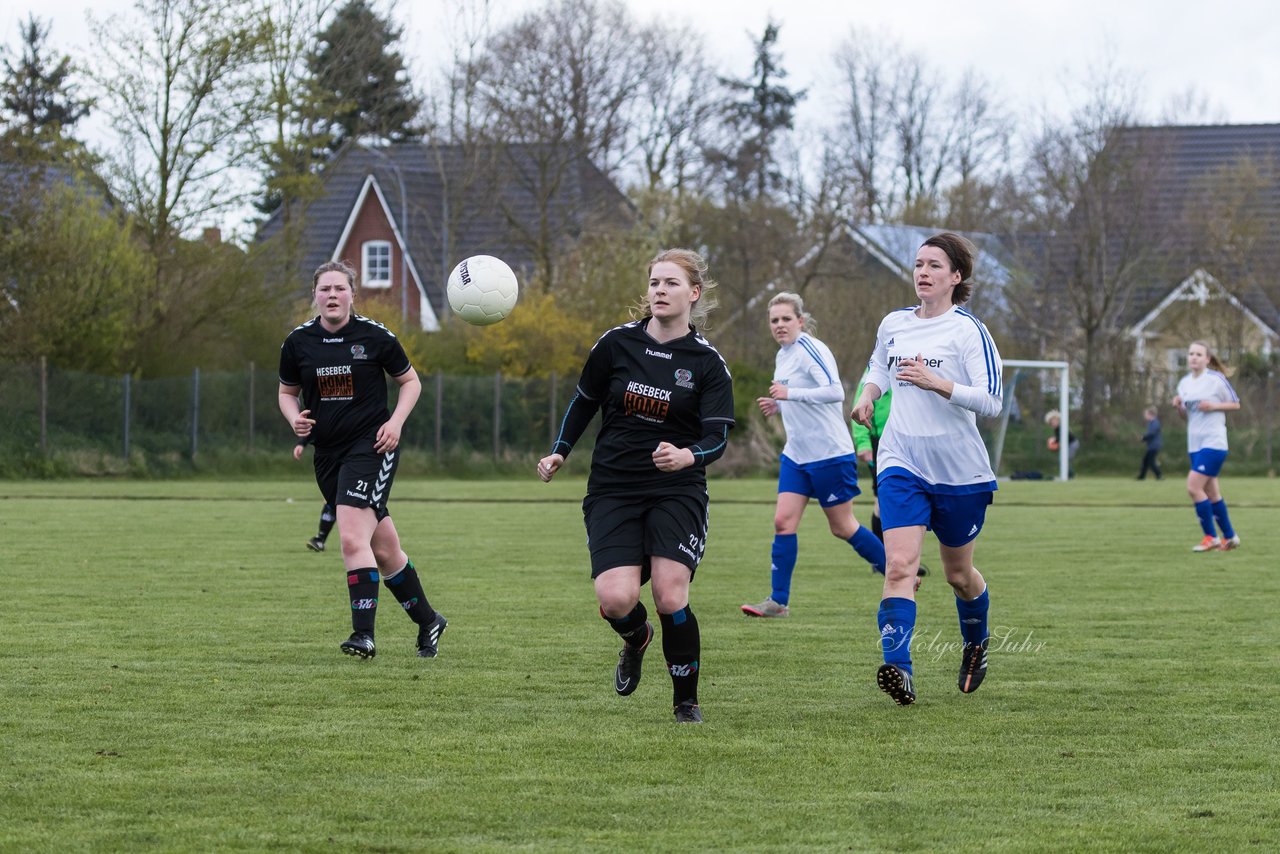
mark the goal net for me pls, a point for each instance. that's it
(1031, 389)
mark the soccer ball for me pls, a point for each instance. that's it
(482, 290)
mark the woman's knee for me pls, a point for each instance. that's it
(668, 600)
(901, 565)
(617, 596)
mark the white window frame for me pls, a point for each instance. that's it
(367, 278)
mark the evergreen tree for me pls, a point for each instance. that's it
(363, 78)
(40, 101)
(292, 142)
(759, 108)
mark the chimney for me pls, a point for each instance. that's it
(212, 235)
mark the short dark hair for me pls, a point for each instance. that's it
(960, 253)
(335, 267)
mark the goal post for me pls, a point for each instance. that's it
(1064, 407)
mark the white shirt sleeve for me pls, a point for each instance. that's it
(984, 394)
(877, 366)
(823, 392)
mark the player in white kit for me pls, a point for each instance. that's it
(1204, 395)
(932, 466)
(819, 460)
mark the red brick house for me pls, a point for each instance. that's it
(403, 215)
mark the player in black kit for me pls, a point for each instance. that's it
(667, 405)
(337, 361)
(327, 514)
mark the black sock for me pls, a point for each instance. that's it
(631, 627)
(362, 586)
(327, 518)
(681, 644)
(407, 588)
(876, 528)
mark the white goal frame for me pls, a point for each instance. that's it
(1064, 407)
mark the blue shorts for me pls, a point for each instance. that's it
(832, 482)
(1208, 461)
(956, 519)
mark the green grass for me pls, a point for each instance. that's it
(172, 681)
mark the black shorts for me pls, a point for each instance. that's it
(357, 476)
(626, 530)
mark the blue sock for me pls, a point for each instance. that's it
(973, 617)
(869, 548)
(1204, 510)
(785, 549)
(1224, 521)
(897, 620)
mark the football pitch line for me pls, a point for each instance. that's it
(762, 502)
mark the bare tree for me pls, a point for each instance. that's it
(863, 131)
(452, 118)
(549, 93)
(1094, 211)
(565, 75)
(291, 136)
(674, 108)
(177, 79)
(915, 149)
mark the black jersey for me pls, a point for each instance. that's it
(342, 377)
(650, 392)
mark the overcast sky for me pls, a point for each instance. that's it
(1228, 51)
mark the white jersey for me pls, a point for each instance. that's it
(813, 412)
(932, 437)
(1206, 429)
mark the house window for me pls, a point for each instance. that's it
(377, 264)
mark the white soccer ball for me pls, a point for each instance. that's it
(482, 290)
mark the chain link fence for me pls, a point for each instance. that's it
(57, 422)
(459, 419)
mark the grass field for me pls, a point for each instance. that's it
(172, 681)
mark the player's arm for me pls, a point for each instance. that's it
(708, 449)
(715, 411)
(861, 432)
(577, 417)
(826, 386)
(388, 438)
(290, 388)
(1231, 404)
(592, 386)
(291, 409)
(828, 392)
(985, 392)
(874, 381)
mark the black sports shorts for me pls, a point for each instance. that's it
(625, 530)
(358, 476)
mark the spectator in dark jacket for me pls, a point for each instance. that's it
(1154, 443)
